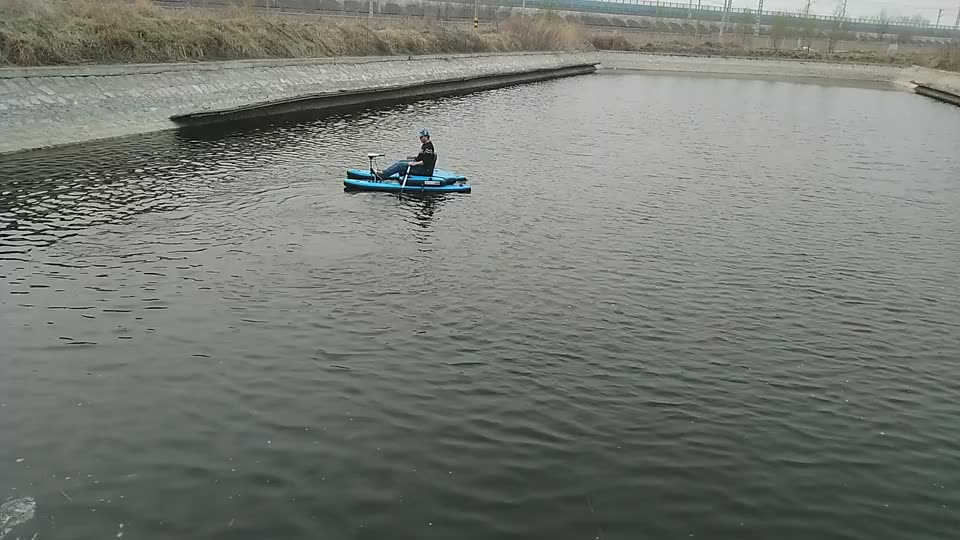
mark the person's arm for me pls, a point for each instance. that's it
(421, 158)
(417, 161)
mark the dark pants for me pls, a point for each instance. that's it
(400, 168)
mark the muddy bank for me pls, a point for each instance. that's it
(905, 77)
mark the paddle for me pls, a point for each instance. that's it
(400, 194)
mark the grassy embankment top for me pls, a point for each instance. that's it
(73, 32)
(945, 56)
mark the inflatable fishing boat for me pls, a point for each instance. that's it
(440, 182)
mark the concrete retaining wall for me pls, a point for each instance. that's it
(41, 107)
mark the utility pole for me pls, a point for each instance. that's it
(727, 4)
(956, 25)
(723, 20)
(756, 29)
(699, 14)
(940, 14)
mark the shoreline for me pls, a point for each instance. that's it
(902, 77)
(796, 79)
(47, 107)
(43, 107)
(111, 70)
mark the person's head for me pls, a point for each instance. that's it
(424, 135)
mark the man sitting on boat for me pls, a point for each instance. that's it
(422, 165)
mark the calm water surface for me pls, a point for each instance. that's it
(672, 307)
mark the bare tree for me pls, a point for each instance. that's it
(838, 31)
(906, 25)
(883, 24)
(779, 28)
(806, 25)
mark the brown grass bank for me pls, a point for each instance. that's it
(71, 32)
(949, 58)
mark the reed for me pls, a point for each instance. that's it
(73, 32)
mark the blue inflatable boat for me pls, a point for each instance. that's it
(439, 175)
(440, 182)
(393, 186)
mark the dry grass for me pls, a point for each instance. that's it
(546, 32)
(612, 42)
(947, 57)
(70, 32)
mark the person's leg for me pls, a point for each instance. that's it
(419, 170)
(399, 167)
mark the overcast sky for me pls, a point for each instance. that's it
(860, 8)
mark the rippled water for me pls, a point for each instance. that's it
(672, 307)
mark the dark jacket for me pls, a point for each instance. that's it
(428, 156)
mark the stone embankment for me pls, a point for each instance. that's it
(52, 106)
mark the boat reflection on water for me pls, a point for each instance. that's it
(419, 211)
(425, 208)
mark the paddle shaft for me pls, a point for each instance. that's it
(405, 176)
